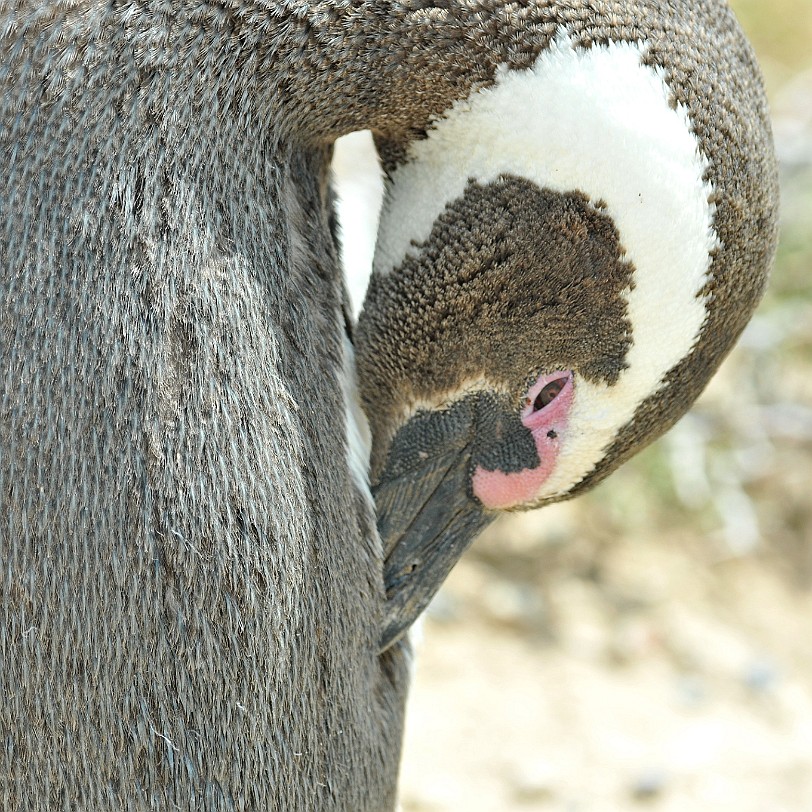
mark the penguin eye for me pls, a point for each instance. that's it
(548, 393)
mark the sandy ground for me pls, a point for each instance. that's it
(666, 681)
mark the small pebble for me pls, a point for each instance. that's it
(691, 691)
(761, 676)
(649, 785)
(513, 604)
(534, 783)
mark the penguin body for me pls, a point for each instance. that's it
(190, 577)
(191, 596)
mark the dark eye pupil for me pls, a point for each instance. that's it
(548, 393)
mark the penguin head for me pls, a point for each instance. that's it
(549, 295)
(510, 321)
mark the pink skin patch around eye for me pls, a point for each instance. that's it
(546, 417)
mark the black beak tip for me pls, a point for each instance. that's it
(435, 533)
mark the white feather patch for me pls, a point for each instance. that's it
(359, 191)
(599, 121)
(359, 437)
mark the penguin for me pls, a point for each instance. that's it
(565, 256)
(192, 589)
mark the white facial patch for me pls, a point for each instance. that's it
(601, 122)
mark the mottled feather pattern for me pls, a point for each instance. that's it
(190, 580)
(191, 583)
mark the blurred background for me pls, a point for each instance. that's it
(648, 645)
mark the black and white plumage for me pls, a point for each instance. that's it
(565, 256)
(191, 592)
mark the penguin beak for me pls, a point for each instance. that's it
(446, 473)
(426, 515)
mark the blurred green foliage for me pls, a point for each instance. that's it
(781, 33)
